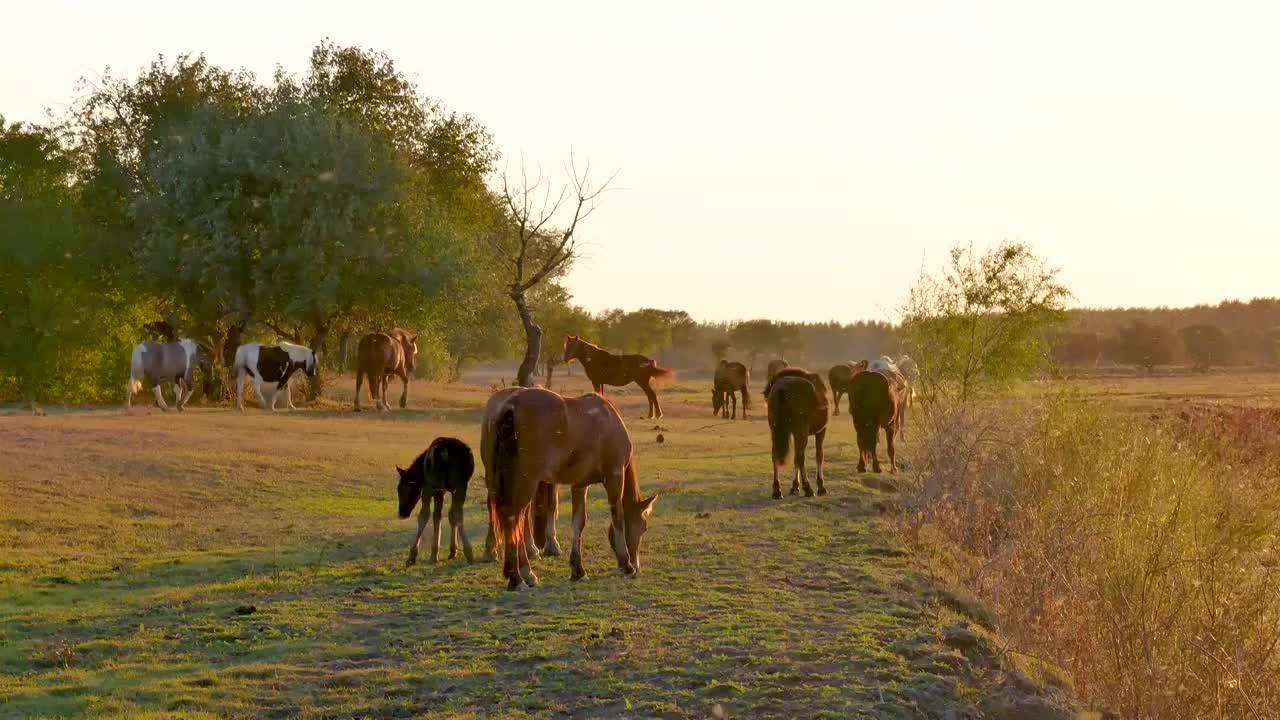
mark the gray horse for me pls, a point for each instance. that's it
(160, 361)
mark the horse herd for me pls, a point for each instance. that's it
(533, 440)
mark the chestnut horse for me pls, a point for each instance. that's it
(381, 355)
(797, 409)
(874, 402)
(446, 466)
(536, 436)
(839, 377)
(605, 368)
(731, 377)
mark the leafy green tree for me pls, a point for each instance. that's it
(1206, 345)
(982, 322)
(61, 334)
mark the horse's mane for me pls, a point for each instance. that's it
(589, 346)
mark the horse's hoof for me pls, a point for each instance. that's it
(808, 492)
(453, 554)
(551, 550)
(875, 469)
(576, 575)
(413, 559)
(794, 491)
(516, 586)
(532, 580)
(822, 491)
(777, 494)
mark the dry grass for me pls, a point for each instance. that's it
(1135, 550)
(131, 541)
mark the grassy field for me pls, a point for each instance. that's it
(132, 548)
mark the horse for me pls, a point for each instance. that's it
(381, 355)
(900, 386)
(274, 364)
(839, 376)
(536, 436)
(873, 404)
(605, 368)
(775, 365)
(797, 409)
(540, 532)
(445, 466)
(730, 377)
(158, 361)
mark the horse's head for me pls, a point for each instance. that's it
(410, 345)
(312, 366)
(570, 348)
(409, 489)
(717, 401)
(638, 516)
(858, 367)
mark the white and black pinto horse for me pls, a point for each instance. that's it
(156, 361)
(273, 364)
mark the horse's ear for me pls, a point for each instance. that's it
(646, 506)
(401, 470)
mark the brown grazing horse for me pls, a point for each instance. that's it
(839, 377)
(797, 409)
(445, 467)
(873, 404)
(605, 368)
(381, 355)
(731, 377)
(536, 436)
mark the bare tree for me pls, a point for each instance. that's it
(533, 249)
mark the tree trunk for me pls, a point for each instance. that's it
(318, 342)
(533, 338)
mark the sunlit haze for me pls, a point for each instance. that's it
(801, 161)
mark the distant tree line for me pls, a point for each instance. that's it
(1229, 333)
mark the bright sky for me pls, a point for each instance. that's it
(801, 160)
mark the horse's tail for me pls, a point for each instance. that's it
(503, 462)
(660, 374)
(135, 370)
(781, 432)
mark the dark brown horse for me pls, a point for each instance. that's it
(381, 355)
(536, 436)
(605, 368)
(445, 467)
(730, 378)
(839, 377)
(873, 404)
(797, 409)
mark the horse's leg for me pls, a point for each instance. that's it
(511, 551)
(802, 442)
(733, 397)
(257, 389)
(240, 392)
(888, 439)
(459, 530)
(437, 507)
(551, 546)
(578, 572)
(288, 395)
(818, 437)
(836, 396)
(861, 434)
(530, 543)
(382, 393)
(359, 382)
(777, 465)
(653, 400)
(875, 452)
(160, 397)
(424, 516)
(404, 394)
(618, 521)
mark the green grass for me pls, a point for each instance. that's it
(129, 542)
